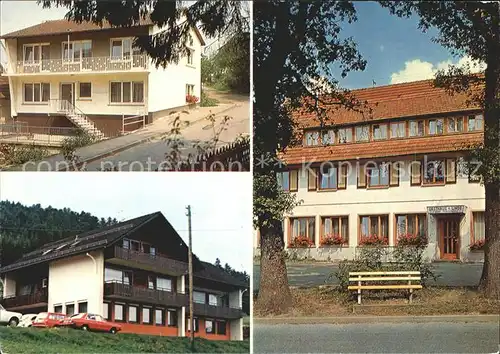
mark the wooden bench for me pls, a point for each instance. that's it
(394, 280)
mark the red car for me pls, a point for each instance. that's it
(48, 319)
(91, 322)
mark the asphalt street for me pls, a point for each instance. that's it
(315, 274)
(377, 338)
(149, 155)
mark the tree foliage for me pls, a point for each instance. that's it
(176, 19)
(295, 43)
(26, 228)
(472, 28)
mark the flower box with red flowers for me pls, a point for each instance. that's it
(333, 240)
(301, 241)
(411, 240)
(477, 245)
(191, 99)
(373, 240)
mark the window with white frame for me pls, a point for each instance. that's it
(479, 226)
(475, 123)
(312, 138)
(190, 57)
(417, 128)
(189, 90)
(126, 92)
(436, 126)
(75, 51)
(122, 49)
(362, 133)
(36, 92)
(379, 131)
(328, 137)
(398, 130)
(455, 124)
(33, 53)
(345, 135)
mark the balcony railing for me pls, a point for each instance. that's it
(92, 64)
(217, 311)
(147, 261)
(17, 301)
(152, 296)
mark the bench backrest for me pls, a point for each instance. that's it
(384, 276)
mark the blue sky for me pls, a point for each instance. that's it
(221, 203)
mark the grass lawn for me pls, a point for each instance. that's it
(329, 301)
(35, 340)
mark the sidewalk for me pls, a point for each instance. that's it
(112, 146)
(375, 319)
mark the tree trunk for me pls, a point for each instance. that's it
(274, 293)
(490, 278)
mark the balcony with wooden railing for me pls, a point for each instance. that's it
(146, 261)
(19, 302)
(84, 65)
(207, 310)
(121, 291)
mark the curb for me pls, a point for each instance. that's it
(138, 142)
(375, 319)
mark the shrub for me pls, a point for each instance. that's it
(207, 101)
(20, 154)
(373, 240)
(477, 245)
(191, 99)
(334, 239)
(301, 241)
(412, 240)
(70, 144)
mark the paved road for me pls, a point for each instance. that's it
(148, 156)
(315, 274)
(377, 338)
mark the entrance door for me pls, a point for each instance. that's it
(67, 96)
(449, 234)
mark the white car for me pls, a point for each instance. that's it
(9, 318)
(27, 320)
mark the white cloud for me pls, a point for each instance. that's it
(421, 70)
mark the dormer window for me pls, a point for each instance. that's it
(328, 137)
(312, 138)
(475, 123)
(436, 126)
(362, 133)
(345, 135)
(379, 131)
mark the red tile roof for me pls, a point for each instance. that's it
(409, 99)
(63, 26)
(378, 149)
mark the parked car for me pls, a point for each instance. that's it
(48, 319)
(91, 322)
(27, 320)
(9, 318)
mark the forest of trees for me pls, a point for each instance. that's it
(26, 228)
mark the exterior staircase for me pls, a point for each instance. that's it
(79, 118)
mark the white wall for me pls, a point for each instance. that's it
(98, 104)
(404, 199)
(76, 279)
(167, 87)
(181, 313)
(236, 329)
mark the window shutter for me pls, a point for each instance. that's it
(312, 179)
(451, 171)
(416, 173)
(394, 174)
(361, 176)
(294, 180)
(343, 170)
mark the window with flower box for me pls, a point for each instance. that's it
(475, 122)
(288, 180)
(373, 230)
(478, 231)
(334, 230)
(311, 138)
(345, 135)
(411, 229)
(417, 128)
(362, 133)
(302, 232)
(379, 131)
(398, 130)
(436, 126)
(455, 124)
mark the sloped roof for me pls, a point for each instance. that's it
(64, 26)
(409, 99)
(213, 272)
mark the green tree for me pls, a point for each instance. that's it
(295, 42)
(472, 28)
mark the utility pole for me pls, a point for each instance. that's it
(190, 271)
